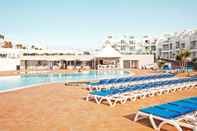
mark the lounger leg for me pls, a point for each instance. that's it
(114, 104)
(139, 116)
(133, 98)
(110, 102)
(124, 101)
(152, 94)
(173, 123)
(153, 122)
(87, 97)
(136, 117)
(97, 100)
(161, 92)
(144, 96)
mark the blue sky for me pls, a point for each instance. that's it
(84, 24)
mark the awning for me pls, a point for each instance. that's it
(107, 52)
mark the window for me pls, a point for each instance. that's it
(182, 45)
(193, 44)
(122, 41)
(165, 47)
(177, 45)
(193, 54)
(147, 41)
(153, 48)
(160, 52)
(166, 55)
(171, 55)
(131, 42)
(171, 46)
(3, 55)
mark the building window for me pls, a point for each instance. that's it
(194, 54)
(153, 48)
(166, 55)
(131, 42)
(159, 52)
(171, 55)
(3, 55)
(193, 45)
(177, 45)
(122, 41)
(182, 45)
(147, 41)
(170, 46)
(165, 47)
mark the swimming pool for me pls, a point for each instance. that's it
(17, 82)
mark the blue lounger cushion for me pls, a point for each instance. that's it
(129, 79)
(185, 104)
(192, 101)
(175, 108)
(194, 98)
(160, 112)
(102, 93)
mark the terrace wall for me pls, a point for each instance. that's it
(7, 64)
(142, 59)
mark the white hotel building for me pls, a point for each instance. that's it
(131, 45)
(170, 44)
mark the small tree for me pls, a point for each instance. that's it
(182, 57)
(161, 63)
(179, 59)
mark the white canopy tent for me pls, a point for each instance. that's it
(107, 52)
(107, 57)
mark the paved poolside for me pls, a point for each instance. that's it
(55, 107)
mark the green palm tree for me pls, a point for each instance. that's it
(179, 59)
(161, 63)
(182, 57)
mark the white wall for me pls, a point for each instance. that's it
(8, 64)
(143, 59)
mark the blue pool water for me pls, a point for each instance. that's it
(7, 83)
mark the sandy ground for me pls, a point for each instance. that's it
(137, 72)
(9, 73)
(55, 107)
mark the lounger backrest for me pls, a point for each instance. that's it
(173, 109)
(130, 79)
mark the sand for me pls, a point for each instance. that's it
(9, 73)
(55, 107)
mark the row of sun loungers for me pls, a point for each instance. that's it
(134, 83)
(125, 81)
(180, 114)
(122, 95)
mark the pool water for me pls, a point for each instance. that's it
(13, 82)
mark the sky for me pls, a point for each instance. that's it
(84, 24)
